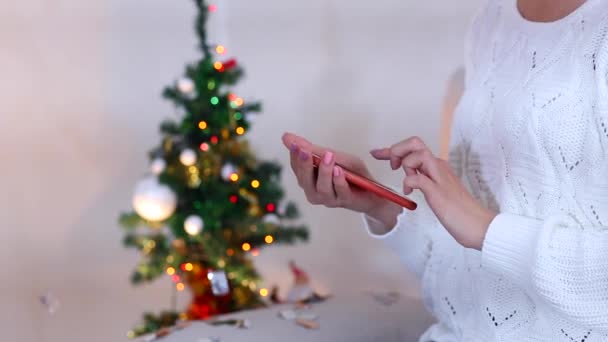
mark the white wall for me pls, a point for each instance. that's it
(80, 107)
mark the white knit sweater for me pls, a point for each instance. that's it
(530, 141)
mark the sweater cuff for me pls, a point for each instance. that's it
(372, 226)
(509, 245)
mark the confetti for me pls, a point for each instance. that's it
(287, 314)
(308, 324)
(50, 302)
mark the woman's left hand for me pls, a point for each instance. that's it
(464, 218)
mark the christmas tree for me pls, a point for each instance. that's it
(208, 205)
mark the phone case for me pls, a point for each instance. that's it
(372, 186)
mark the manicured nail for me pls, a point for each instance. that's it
(337, 171)
(293, 147)
(303, 155)
(327, 158)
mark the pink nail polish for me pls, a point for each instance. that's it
(337, 171)
(327, 158)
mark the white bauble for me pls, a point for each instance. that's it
(153, 201)
(185, 86)
(187, 157)
(157, 166)
(193, 224)
(271, 218)
(227, 170)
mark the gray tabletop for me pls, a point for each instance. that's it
(361, 317)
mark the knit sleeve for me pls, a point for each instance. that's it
(563, 265)
(562, 259)
(410, 238)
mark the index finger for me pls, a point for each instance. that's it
(398, 151)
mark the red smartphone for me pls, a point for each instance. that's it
(371, 186)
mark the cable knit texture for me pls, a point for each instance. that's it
(530, 141)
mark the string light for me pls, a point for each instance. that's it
(255, 183)
(214, 100)
(180, 286)
(238, 116)
(263, 292)
(233, 198)
(211, 84)
(170, 259)
(204, 147)
(214, 139)
(240, 130)
(220, 49)
(218, 66)
(234, 177)
(246, 247)
(212, 8)
(268, 239)
(175, 278)
(255, 252)
(270, 207)
(170, 271)
(188, 267)
(230, 252)
(232, 96)
(239, 102)
(221, 263)
(202, 125)
(252, 286)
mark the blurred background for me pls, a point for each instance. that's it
(80, 107)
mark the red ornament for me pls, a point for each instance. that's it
(229, 64)
(270, 207)
(214, 139)
(233, 199)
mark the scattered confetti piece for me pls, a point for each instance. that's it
(287, 314)
(308, 324)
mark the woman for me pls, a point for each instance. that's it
(510, 239)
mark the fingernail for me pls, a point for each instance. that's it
(337, 171)
(374, 151)
(293, 147)
(328, 157)
(303, 155)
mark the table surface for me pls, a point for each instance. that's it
(358, 317)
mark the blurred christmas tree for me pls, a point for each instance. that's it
(209, 205)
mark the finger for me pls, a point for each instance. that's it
(306, 176)
(325, 183)
(398, 151)
(343, 192)
(423, 183)
(408, 172)
(381, 153)
(422, 161)
(294, 154)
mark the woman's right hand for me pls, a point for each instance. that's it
(328, 185)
